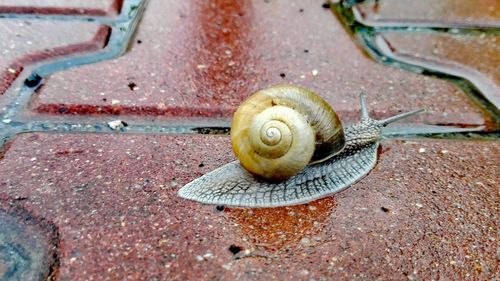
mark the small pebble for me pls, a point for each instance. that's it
(421, 150)
(226, 266)
(314, 72)
(208, 256)
(33, 80)
(305, 241)
(117, 125)
(205, 257)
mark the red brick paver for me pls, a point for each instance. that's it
(24, 42)
(61, 7)
(427, 211)
(29, 245)
(430, 12)
(203, 60)
(89, 206)
(475, 53)
(472, 56)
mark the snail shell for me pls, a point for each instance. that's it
(278, 131)
(234, 185)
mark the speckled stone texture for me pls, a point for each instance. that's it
(87, 7)
(473, 56)
(26, 41)
(28, 245)
(474, 53)
(427, 211)
(430, 12)
(203, 59)
(103, 206)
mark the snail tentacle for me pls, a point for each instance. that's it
(395, 118)
(364, 108)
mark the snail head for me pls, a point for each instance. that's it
(369, 130)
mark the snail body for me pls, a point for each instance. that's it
(338, 157)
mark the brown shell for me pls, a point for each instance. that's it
(312, 127)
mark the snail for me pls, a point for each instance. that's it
(292, 149)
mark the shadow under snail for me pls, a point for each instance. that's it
(292, 149)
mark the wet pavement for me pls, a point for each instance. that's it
(81, 201)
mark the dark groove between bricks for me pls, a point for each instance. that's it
(366, 34)
(127, 20)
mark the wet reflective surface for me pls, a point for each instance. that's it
(282, 230)
(426, 210)
(471, 56)
(27, 248)
(483, 13)
(89, 202)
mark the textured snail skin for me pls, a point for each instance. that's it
(232, 185)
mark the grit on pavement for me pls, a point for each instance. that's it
(108, 107)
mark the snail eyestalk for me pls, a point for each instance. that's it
(398, 117)
(366, 116)
(364, 107)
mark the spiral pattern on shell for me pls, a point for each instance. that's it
(280, 130)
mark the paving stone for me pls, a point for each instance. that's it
(475, 56)
(28, 246)
(88, 7)
(477, 53)
(428, 210)
(451, 12)
(203, 59)
(24, 42)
